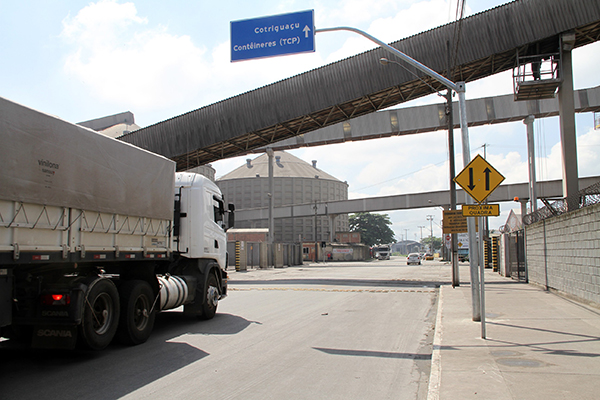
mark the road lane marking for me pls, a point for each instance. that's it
(335, 290)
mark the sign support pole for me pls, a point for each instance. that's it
(482, 277)
(473, 248)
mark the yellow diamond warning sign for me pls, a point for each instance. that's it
(479, 179)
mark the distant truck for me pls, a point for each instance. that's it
(97, 236)
(463, 247)
(382, 252)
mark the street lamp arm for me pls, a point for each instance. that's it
(459, 88)
(445, 81)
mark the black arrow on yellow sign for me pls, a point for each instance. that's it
(479, 179)
(471, 186)
(487, 178)
(487, 173)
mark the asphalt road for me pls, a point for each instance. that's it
(325, 331)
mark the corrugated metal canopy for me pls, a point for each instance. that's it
(489, 42)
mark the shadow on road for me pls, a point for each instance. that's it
(113, 372)
(369, 353)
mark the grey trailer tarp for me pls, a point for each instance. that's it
(46, 160)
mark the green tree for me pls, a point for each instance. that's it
(437, 242)
(373, 228)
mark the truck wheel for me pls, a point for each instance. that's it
(137, 316)
(100, 314)
(211, 298)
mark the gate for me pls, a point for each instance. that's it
(253, 255)
(516, 254)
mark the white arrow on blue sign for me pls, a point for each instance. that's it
(272, 36)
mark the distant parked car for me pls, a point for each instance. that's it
(413, 258)
(428, 256)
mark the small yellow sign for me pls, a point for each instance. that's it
(479, 179)
(481, 210)
(455, 222)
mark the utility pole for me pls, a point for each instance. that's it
(430, 219)
(421, 231)
(450, 114)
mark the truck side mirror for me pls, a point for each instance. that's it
(231, 216)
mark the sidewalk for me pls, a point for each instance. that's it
(538, 345)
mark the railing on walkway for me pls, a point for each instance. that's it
(584, 198)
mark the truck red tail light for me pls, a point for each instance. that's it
(56, 299)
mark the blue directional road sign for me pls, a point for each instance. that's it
(272, 36)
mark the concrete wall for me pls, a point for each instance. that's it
(346, 252)
(563, 253)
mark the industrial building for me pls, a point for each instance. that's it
(295, 182)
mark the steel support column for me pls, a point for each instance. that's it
(531, 162)
(568, 137)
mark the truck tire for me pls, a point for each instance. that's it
(100, 314)
(211, 298)
(206, 297)
(137, 315)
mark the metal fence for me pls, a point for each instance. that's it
(584, 198)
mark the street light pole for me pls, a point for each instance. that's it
(458, 87)
(271, 207)
(421, 226)
(430, 219)
(316, 247)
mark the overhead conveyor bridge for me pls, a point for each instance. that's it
(504, 193)
(490, 42)
(430, 118)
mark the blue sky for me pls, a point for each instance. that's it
(81, 60)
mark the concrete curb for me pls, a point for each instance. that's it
(435, 374)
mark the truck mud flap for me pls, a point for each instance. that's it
(6, 287)
(54, 337)
(224, 281)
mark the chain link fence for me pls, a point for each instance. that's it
(584, 198)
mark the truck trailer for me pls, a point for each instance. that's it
(97, 236)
